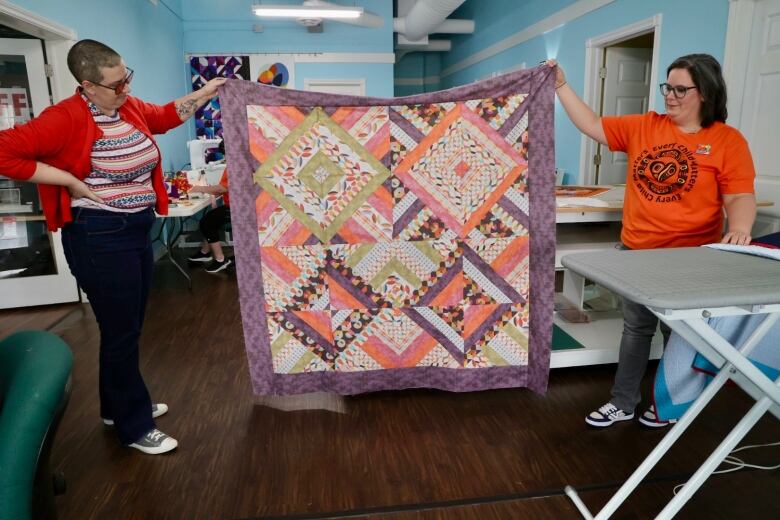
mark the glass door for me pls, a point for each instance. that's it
(33, 270)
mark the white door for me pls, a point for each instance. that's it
(626, 91)
(761, 101)
(33, 270)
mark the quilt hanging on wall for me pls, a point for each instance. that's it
(394, 243)
(208, 123)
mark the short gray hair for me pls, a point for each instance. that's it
(87, 57)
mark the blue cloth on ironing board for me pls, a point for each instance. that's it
(683, 373)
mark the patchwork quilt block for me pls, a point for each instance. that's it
(394, 243)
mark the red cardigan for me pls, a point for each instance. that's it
(62, 136)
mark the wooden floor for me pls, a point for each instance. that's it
(419, 454)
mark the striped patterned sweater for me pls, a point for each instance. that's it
(122, 164)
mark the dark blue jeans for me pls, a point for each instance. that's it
(110, 254)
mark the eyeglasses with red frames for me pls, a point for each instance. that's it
(679, 90)
(120, 87)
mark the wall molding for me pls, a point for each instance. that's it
(417, 82)
(562, 17)
(313, 57)
(32, 23)
(310, 84)
(346, 57)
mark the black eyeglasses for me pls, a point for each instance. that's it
(119, 87)
(679, 90)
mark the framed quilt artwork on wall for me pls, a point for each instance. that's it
(394, 243)
(208, 118)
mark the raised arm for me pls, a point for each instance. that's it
(580, 114)
(187, 105)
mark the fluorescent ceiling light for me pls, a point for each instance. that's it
(304, 11)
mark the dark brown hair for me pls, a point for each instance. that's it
(706, 74)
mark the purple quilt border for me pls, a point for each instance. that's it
(539, 84)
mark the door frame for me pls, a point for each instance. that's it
(57, 40)
(594, 50)
(738, 29)
(33, 56)
(735, 68)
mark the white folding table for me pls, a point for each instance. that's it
(683, 287)
(181, 211)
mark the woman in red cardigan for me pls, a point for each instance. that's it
(99, 173)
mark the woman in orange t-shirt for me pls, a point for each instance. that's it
(685, 168)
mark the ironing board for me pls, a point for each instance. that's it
(683, 287)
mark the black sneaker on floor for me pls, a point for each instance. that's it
(216, 266)
(200, 256)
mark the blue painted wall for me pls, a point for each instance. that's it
(417, 66)
(148, 37)
(226, 27)
(154, 40)
(687, 26)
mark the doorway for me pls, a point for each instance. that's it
(752, 71)
(625, 89)
(620, 72)
(33, 270)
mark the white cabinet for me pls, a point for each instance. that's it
(581, 230)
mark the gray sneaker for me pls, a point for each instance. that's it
(158, 409)
(155, 442)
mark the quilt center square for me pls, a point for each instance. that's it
(321, 175)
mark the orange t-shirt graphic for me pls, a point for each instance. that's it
(676, 181)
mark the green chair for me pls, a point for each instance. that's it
(35, 370)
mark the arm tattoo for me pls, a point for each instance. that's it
(186, 108)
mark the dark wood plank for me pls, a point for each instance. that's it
(505, 453)
(43, 317)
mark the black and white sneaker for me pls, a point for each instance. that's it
(200, 256)
(650, 419)
(607, 415)
(216, 266)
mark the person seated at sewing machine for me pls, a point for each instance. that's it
(211, 248)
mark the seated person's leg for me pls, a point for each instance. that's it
(217, 218)
(209, 227)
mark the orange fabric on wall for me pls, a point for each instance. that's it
(676, 181)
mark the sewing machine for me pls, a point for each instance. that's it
(198, 149)
(202, 172)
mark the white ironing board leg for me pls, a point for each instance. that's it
(713, 461)
(693, 334)
(658, 452)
